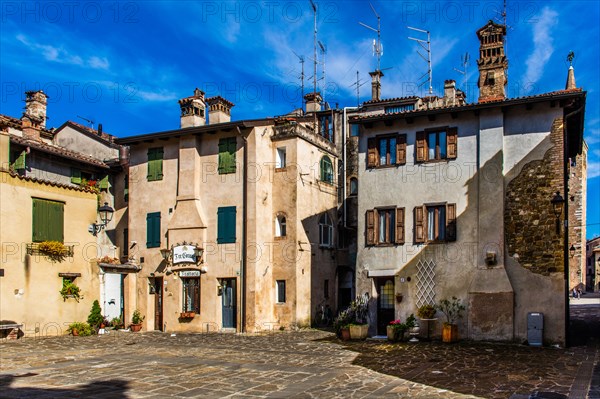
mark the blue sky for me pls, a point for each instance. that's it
(124, 64)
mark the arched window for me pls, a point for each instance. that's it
(280, 226)
(353, 186)
(325, 231)
(326, 170)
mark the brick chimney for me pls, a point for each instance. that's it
(34, 117)
(193, 110)
(492, 62)
(219, 110)
(376, 85)
(313, 102)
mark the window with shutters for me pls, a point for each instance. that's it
(387, 150)
(19, 161)
(153, 230)
(47, 220)
(436, 145)
(435, 223)
(227, 149)
(385, 226)
(280, 226)
(155, 163)
(326, 127)
(280, 291)
(226, 225)
(326, 170)
(191, 294)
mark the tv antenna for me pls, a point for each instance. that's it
(464, 61)
(377, 46)
(323, 49)
(428, 58)
(315, 60)
(301, 58)
(90, 121)
(358, 84)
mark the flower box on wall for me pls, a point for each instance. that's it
(187, 315)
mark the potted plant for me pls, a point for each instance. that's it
(359, 327)
(341, 324)
(95, 318)
(116, 323)
(80, 329)
(187, 315)
(426, 312)
(452, 309)
(70, 290)
(54, 250)
(396, 330)
(136, 321)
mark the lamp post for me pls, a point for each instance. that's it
(106, 213)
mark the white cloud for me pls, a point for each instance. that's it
(593, 170)
(542, 46)
(161, 96)
(62, 56)
(98, 63)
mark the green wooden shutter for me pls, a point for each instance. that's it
(159, 163)
(47, 220)
(232, 147)
(103, 184)
(75, 176)
(155, 163)
(226, 225)
(20, 161)
(153, 230)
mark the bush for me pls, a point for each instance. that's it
(95, 318)
(401, 328)
(70, 290)
(426, 312)
(137, 317)
(356, 313)
(452, 309)
(82, 329)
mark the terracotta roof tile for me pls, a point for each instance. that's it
(52, 183)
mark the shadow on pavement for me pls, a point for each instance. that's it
(97, 389)
(585, 325)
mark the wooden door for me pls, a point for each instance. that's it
(158, 303)
(385, 304)
(229, 303)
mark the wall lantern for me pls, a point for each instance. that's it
(572, 250)
(166, 253)
(106, 214)
(557, 206)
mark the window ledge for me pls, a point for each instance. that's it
(283, 169)
(280, 238)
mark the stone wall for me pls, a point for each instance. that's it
(577, 204)
(530, 224)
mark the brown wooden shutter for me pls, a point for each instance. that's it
(451, 222)
(372, 156)
(399, 225)
(401, 149)
(370, 227)
(421, 147)
(419, 224)
(452, 143)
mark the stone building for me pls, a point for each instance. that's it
(455, 200)
(233, 222)
(53, 181)
(592, 264)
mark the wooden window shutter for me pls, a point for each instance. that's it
(226, 225)
(421, 147)
(419, 224)
(372, 156)
(452, 143)
(103, 184)
(56, 221)
(75, 176)
(159, 163)
(227, 149)
(399, 225)
(20, 161)
(401, 149)
(151, 164)
(370, 216)
(47, 220)
(153, 230)
(232, 150)
(451, 222)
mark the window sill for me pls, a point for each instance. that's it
(280, 238)
(386, 166)
(283, 169)
(386, 245)
(435, 161)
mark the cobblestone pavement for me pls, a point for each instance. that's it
(305, 364)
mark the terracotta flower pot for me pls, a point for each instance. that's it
(345, 334)
(450, 333)
(136, 327)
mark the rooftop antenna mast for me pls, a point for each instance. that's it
(358, 84)
(323, 85)
(90, 121)
(301, 58)
(377, 46)
(506, 26)
(464, 61)
(428, 58)
(315, 60)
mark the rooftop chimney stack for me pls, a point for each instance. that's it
(449, 92)
(219, 110)
(376, 85)
(492, 62)
(193, 110)
(313, 102)
(34, 117)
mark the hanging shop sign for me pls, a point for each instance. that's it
(184, 254)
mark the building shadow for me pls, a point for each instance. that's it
(97, 389)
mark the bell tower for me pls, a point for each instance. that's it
(492, 62)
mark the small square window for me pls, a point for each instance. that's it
(280, 161)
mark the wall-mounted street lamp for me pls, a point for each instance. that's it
(106, 213)
(167, 253)
(557, 206)
(572, 250)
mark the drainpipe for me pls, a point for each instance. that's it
(244, 232)
(344, 139)
(566, 225)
